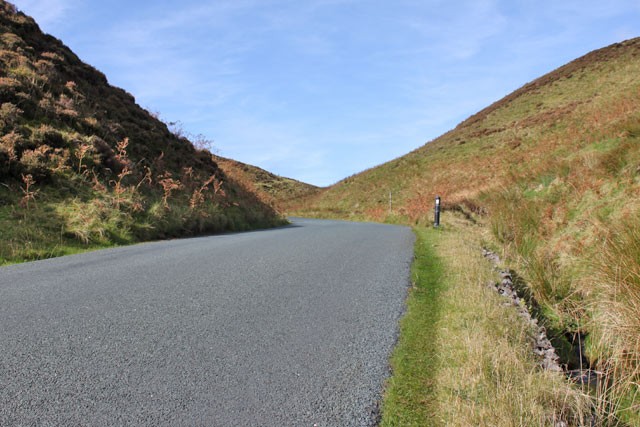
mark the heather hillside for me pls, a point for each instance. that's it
(272, 189)
(82, 165)
(553, 173)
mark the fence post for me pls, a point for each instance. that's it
(436, 221)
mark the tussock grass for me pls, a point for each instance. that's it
(36, 234)
(616, 322)
(464, 359)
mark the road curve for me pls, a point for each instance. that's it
(284, 327)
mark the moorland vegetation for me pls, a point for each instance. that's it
(548, 177)
(552, 172)
(82, 165)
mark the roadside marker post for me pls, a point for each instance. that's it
(436, 221)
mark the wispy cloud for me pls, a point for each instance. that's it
(283, 148)
(175, 54)
(457, 31)
(319, 89)
(50, 13)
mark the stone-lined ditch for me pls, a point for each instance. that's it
(561, 351)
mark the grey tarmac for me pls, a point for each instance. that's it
(285, 327)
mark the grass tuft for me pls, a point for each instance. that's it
(616, 322)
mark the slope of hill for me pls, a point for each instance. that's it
(82, 165)
(553, 119)
(553, 170)
(272, 189)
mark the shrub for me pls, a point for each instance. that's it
(9, 115)
(8, 145)
(36, 162)
(8, 87)
(50, 136)
(107, 156)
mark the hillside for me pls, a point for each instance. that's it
(272, 189)
(559, 118)
(83, 166)
(553, 173)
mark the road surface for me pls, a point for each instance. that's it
(286, 327)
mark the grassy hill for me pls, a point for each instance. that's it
(83, 166)
(553, 172)
(274, 190)
(559, 125)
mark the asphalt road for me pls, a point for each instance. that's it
(285, 327)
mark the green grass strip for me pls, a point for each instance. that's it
(408, 396)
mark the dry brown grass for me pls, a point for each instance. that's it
(271, 189)
(480, 367)
(496, 380)
(616, 321)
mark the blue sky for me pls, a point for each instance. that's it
(318, 90)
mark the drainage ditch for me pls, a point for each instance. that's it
(557, 350)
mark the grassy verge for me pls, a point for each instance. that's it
(464, 358)
(415, 358)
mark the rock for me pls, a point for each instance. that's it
(542, 347)
(491, 256)
(550, 365)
